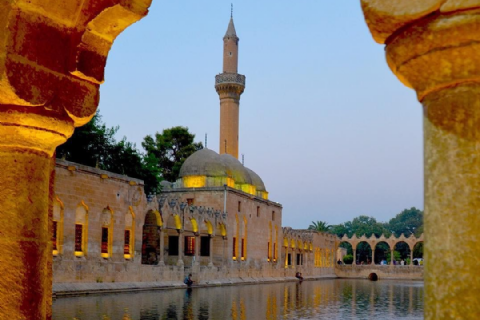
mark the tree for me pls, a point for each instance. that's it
(408, 222)
(320, 226)
(340, 230)
(364, 225)
(95, 145)
(171, 147)
(90, 145)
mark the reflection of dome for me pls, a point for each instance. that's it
(206, 168)
(204, 162)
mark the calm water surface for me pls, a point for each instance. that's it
(325, 299)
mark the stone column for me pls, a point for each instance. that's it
(162, 248)
(392, 256)
(180, 248)
(411, 256)
(210, 244)
(52, 58)
(433, 47)
(373, 256)
(354, 257)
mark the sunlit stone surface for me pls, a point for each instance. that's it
(433, 47)
(52, 58)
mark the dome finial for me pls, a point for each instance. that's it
(231, 11)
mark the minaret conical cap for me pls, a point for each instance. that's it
(231, 29)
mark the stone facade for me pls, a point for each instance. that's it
(178, 232)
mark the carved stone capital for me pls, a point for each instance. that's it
(52, 59)
(431, 44)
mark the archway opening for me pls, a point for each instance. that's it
(402, 253)
(418, 253)
(364, 253)
(345, 253)
(150, 240)
(382, 253)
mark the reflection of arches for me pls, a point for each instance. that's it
(151, 238)
(81, 230)
(57, 226)
(129, 234)
(382, 252)
(107, 232)
(363, 253)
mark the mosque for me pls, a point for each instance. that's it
(216, 221)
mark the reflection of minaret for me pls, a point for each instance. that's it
(229, 86)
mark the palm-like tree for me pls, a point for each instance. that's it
(320, 226)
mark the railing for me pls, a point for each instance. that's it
(233, 78)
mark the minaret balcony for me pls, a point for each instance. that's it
(230, 78)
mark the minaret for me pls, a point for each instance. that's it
(229, 86)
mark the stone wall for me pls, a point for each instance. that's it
(97, 199)
(383, 272)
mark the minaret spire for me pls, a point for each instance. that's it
(230, 86)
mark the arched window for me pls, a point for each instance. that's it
(275, 245)
(269, 256)
(129, 234)
(81, 230)
(57, 227)
(244, 240)
(107, 232)
(234, 238)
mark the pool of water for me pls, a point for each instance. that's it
(323, 299)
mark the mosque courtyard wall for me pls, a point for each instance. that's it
(105, 231)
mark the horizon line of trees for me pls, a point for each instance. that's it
(163, 154)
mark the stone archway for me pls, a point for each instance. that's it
(382, 253)
(403, 252)
(364, 253)
(151, 238)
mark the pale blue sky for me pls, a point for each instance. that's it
(323, 121)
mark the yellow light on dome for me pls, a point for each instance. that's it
(230, 182)
(194, 181)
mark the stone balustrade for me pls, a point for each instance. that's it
(230, 78)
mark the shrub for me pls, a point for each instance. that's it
(348, 259)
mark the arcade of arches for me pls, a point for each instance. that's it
(377, 250)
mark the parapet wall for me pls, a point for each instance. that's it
(383, 272)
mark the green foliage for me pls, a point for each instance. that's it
(340, 230)
(90, 145)
(348, 259)
(94, 145)
(171, 148)
(320, 226)
(396, 256)
(408, 222)
(418, 250)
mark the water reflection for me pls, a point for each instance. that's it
(329, 299)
